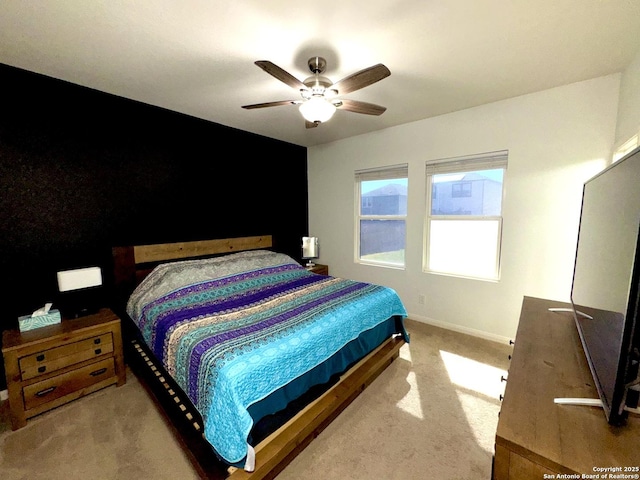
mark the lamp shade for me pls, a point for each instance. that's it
(80, 278)
(317, 109)
(310, 249)
(80, 291)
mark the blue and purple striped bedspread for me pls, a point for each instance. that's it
(232, 330)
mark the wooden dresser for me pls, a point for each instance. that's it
(53, 365)
(537, 437)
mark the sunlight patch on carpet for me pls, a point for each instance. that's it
(473, 375)
(480, 388)
(411, 403)
(482, 417)
(405, 352)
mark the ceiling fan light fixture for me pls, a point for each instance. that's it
(330, 93)
(320, 95)
(317, 110)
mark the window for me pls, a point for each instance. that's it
(464, 215)
(381, 199)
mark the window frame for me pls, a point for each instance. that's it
(379, 173)
(465, 164)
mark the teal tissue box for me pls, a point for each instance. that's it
(27, 322)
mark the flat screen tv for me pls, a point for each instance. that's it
(604, 292)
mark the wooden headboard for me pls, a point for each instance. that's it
(133, 263)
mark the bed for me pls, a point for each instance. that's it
(213, 333)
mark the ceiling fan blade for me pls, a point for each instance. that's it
(357, 106)
(271, 104)
(280, 74)
(361, 79)
(309, 124)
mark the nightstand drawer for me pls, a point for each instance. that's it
(47, 361)
(60, 385)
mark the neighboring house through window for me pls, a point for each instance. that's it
(464, 215)
(381, 212)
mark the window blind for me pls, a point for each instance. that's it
(395, 171)
(483, 161)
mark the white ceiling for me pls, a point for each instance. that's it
(196, 56)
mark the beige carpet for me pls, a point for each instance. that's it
(431, 414)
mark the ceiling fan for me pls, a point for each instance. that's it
(320, 96)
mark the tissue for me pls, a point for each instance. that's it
(40, 318)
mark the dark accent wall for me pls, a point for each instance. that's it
(82, 171)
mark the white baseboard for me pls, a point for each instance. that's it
(4, 395)
(461, 329)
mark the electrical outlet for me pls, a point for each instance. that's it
(421, 299)
(4, 395)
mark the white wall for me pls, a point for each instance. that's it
(556, 139)
(628, 123)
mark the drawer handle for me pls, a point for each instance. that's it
(98, 372)
(98, 351)
(42, 393)
(42, 369)
(40, 357)
(96, 341)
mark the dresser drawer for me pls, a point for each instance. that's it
(61, 385)
(47, 361)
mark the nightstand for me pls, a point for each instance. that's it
(50, 366)
(319, 269)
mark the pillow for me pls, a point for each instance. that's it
(168, 277)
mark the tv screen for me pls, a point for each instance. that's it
(604, 292)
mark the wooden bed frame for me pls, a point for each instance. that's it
(131, 265)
